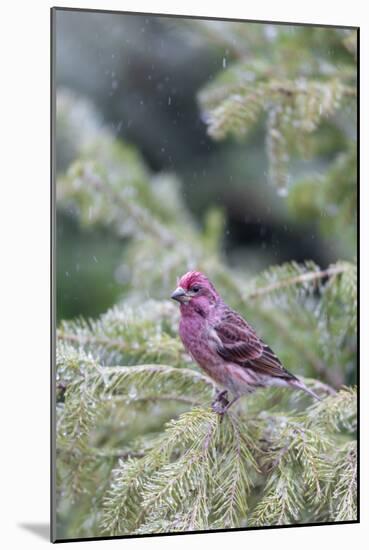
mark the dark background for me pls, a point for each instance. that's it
(143, 74)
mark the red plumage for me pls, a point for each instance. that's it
(225, 345)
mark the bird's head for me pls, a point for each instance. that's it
(194, 289)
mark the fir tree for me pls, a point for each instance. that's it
(138, 448)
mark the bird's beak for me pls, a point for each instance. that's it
(180, 295)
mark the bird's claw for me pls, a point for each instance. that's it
(218, 408)
(220, 403)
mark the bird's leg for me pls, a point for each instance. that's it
(221, 395)
(231, 402)
(220, 403)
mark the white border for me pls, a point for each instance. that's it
(24, 267)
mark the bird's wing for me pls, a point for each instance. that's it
(237, 341)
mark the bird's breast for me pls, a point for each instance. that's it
(195, 335)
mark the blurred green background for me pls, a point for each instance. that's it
(143, 75)
(220, 146)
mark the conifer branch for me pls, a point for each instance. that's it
(83, 339)
(299, 279)
(139, 449)
(142, 217)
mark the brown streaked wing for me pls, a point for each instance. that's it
(239, 343)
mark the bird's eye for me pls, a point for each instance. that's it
(195, 288)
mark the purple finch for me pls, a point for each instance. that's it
(224, 345)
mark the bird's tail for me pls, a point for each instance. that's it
(298, 384)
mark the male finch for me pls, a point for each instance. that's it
(225, 345)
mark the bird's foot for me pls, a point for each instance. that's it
(220, 403)
(219, 408)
